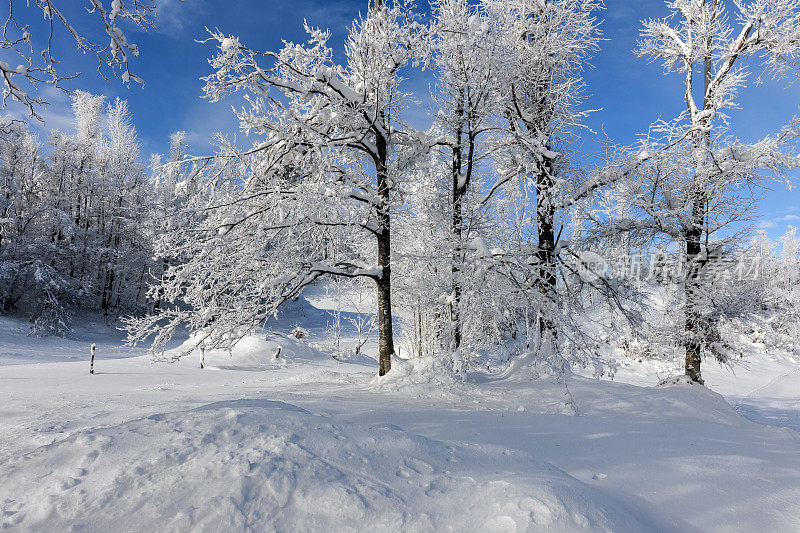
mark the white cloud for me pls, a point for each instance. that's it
(57, 114)
(779, 221)
(204, 119)
(172, 16)
(332, 16)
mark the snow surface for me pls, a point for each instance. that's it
(314, 444)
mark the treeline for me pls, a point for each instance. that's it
(484, 233)
(78, 218)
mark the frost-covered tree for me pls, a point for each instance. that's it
(462, 57)
(175, 185)
(424, 260)
(778, 287)
(128, 197)
(314, 196)
(546, 45)
(695, 184)
(72, 230)
(21, 168)
(490, 177)
(523, 190)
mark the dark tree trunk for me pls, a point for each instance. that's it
(419, 331)
(461, 176)
(546, 247)
(384, 280)
(694, 241)
(692, 342)
(108, 287)
(459, 190)
(385, 337)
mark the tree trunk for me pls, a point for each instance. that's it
(546, 247)
(108, 288)
(419, 330)
(694, 238)
(459, 190)
(384, 280)
(692, 343)
(385, 337)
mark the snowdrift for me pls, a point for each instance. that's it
(271, 466)
(254, 352)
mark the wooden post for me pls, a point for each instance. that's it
(91, 365)
(202, 356)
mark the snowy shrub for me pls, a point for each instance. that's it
(636, 349)
(49, 317)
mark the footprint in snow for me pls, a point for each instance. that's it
(419, 466)
(70, 482)
(500, 524)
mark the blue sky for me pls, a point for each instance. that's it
(628, 92)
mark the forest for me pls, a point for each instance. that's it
(491, 208)
(425, 198)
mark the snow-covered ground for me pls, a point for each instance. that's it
(305, 442)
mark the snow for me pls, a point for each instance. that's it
(263, 464)
(314, 444)
(256, 353)
(481, 247)
(229, 45)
